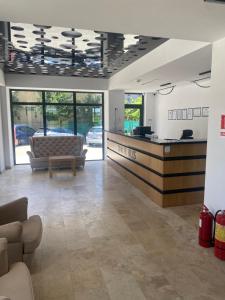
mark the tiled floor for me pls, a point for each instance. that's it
(103, 239)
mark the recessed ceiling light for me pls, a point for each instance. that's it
(17, 28)
(72, 34)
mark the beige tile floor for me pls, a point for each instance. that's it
(103, 239)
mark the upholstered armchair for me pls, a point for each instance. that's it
(22, 233)
(15, 280)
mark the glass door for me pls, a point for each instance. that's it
(39, 113)
(27, 117)
(89, 125)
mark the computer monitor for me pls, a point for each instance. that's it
(143, 130)
(187, 134)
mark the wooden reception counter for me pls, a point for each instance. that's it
(170, 172)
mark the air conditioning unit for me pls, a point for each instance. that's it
(215, 1)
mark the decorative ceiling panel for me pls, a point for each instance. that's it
(50, 50)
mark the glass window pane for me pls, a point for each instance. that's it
(27, 120)
(132, 119)
(89, 125)
(26, 96)
(89, 98)
(59, 97)
(60, 120)
(133, 99)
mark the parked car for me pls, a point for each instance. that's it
(94, 136)
(22, 133)
(53, 131)
(56, 132)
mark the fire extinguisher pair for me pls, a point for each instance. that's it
(212, 231)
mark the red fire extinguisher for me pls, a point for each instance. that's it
(219, 250)
(206, 220)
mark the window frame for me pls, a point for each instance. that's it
(45, 103)
(136, 106)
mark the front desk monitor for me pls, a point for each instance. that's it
(143, 130)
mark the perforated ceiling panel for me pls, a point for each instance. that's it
(44, 49)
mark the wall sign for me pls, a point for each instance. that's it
(197, 112)
(127, 152)
(205, 111)
(222, 125)
(188, 113)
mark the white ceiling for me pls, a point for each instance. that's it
(181, 19)
(178, 72)
(175, 61)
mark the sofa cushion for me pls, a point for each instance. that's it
(46, 146)
(16, 284)
(11, 231)
(32, 233)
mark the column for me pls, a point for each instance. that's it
(215, 166)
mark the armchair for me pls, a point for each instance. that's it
(15, 280)
(22, 233)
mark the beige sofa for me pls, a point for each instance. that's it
(23, 234)
(15, 280)
(44, 146)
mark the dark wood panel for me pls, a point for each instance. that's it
(161, 183)
(160, 166)
(164, 151)
(146, 189)
(185, 150)
(149, 161)
(126, 141)
(184, 166)
(162, 200)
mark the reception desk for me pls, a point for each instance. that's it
(169, 172)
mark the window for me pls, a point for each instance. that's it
(38, 113)
(134, 104)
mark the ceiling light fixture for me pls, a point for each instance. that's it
(215, 1)
(202, 86)
(167, 93)
(165, 84)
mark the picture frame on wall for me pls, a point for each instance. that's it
(174, 117)
(205, 111)
(197, 112)
(179, 114)
(184, 114)
(170, 115)
(189, 114)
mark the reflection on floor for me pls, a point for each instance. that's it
(94, 153)
(103, 239)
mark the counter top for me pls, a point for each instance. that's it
(160, 141)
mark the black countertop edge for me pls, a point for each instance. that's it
(160, 141)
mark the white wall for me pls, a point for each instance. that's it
(55, 82)
(2, 78)
(6, 125)
(2, 158)
(149, 110)
(115, 110)
(188, 96)
(214, 189)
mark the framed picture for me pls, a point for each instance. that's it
(189, 114)
(174, 114)
(205, 111)
(197, 112)
(184, 114)
(170, 115)
(179, 114)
